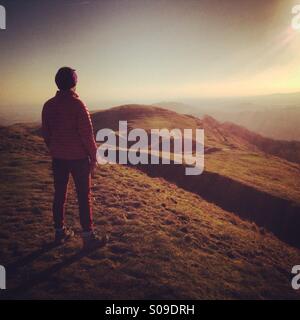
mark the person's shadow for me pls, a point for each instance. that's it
(23, 261)
(44, 275)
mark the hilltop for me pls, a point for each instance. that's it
(171, 238)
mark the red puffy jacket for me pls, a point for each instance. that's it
(67, 128)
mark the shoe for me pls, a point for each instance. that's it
(63, 234)
(92, 240)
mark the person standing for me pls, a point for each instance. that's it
(68, 133)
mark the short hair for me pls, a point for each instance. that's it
(66, 78)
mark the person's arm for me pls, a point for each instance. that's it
(86, 133)
(45, 127)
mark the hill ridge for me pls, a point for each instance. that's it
(166, 242)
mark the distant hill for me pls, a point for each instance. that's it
(231, 233)
(225, 135)
(275, 116)
(281, 123)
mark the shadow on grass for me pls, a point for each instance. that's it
(23, 261)
(20, 291)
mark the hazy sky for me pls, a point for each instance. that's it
(148, 50)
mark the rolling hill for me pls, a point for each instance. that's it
(230, 233)
(275, 116)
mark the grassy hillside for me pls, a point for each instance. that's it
(236, 151)
(166, 241)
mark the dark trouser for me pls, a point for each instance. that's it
(80, 171)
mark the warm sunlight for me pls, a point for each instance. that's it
(127, 52)
(150, 152)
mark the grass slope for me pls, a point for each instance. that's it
(165, 242)
(235, 151)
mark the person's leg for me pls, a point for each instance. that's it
(61, 179)
(80, 170)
